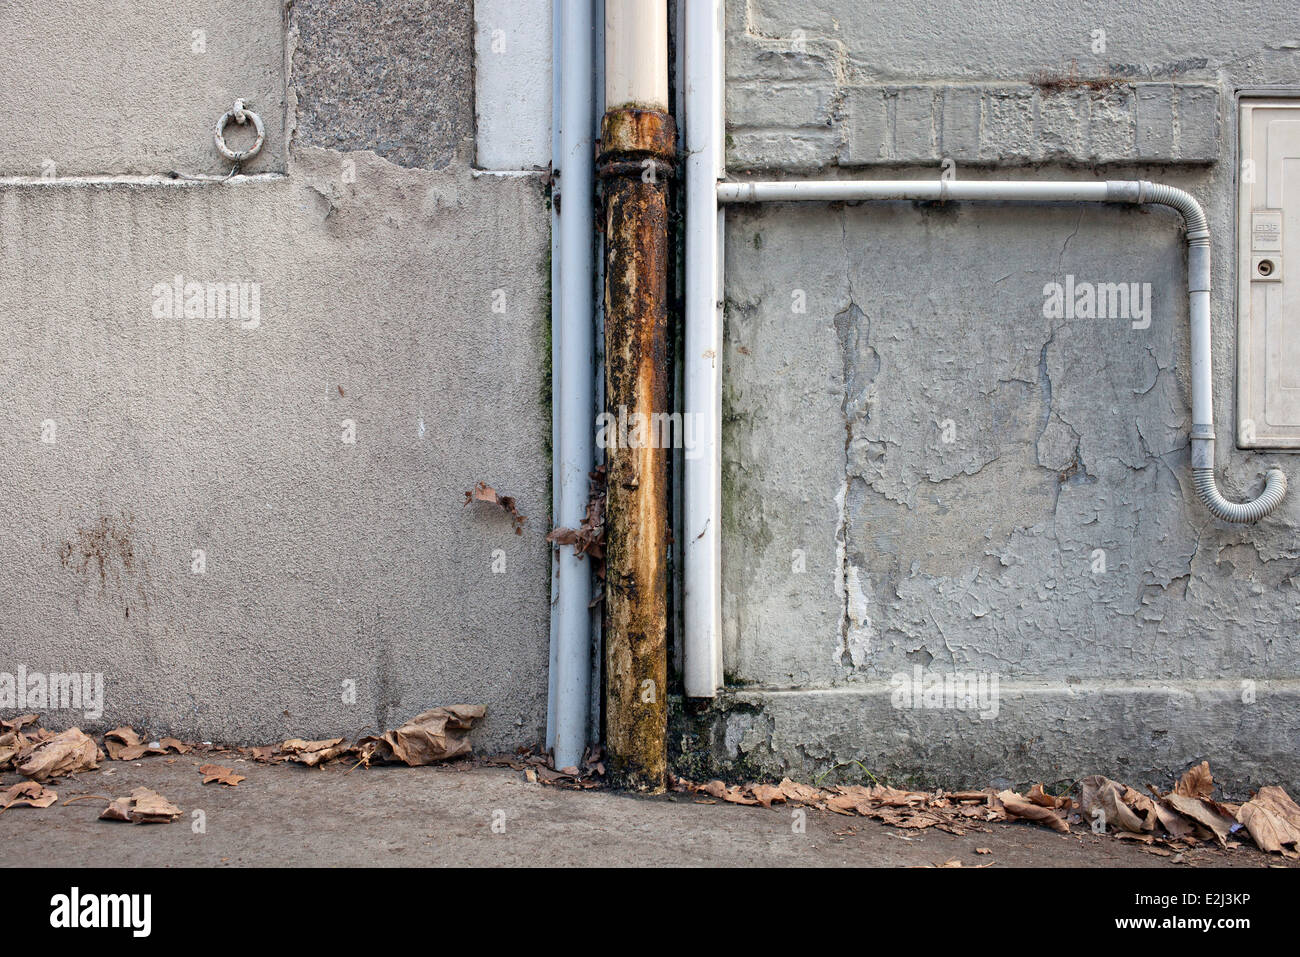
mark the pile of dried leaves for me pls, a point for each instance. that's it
(1167, 822)
(1182, 818)
(536, 767)
(439, 734)
(123, 744)
(39, 754)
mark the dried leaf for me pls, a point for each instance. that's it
(797, 793)
(119, 740)
(310, 753)
(435, 735)
(767, 794)
(119, 810)
(486, 493)
(849, 804)
(1143, 806)
(1018, 806)
(589, 537)
(907, 818)
(18, 723)
(1196, 783)
(1100, 793)
(733, 795)
(1174, 824)
(28, 793)
(892, 797)
(124, 744)
(219, 774)
(1039, 796)
(66, 753)
(1202, 813)
(1273, 821)
(12, 745)
(144, 806)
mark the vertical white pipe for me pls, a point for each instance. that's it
(1198, 289)
(557, 151)
(573, 397)
(702, 552)
(636, 54)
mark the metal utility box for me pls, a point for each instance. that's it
(1268, 274)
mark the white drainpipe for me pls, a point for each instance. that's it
(703, 573)
(573, 377)
(702, 498)
(636, 54)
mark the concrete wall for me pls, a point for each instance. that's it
(402, 303)
(94, 87)
(921, 470)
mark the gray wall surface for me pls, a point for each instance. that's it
(923, 470)
(135, 86)
(378, 266)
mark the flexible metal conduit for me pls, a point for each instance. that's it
(1129, 191)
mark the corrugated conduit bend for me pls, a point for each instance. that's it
(1198, 291)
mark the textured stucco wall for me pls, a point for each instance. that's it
(135, 86)
(326, 561)
(923, 470)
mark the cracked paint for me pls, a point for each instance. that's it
(984, 488)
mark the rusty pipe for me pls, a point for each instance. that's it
(636, 161)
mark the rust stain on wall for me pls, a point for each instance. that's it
(99, 549)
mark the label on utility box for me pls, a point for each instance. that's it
(1266, 230)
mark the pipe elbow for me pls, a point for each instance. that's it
(1242, 512)
(1198, 227)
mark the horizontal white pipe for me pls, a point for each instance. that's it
(702, 494)
(702, 636)
(923, 189)
(1126, 191)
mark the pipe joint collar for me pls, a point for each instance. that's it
(1123, 191)
(631, 132)
(1203, 451)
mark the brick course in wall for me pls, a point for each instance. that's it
(795, 109)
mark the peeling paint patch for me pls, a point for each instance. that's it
(858, 633)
